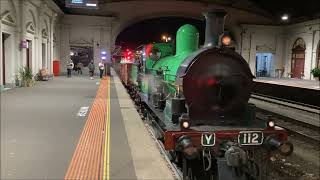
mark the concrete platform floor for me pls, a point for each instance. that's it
(41, 126)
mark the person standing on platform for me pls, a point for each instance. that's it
(91, 69)
(70, 67)
(79, 67)
(101, 68)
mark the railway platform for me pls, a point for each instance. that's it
(76, 128)
(291, 82)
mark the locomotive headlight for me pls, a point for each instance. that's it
(226, 40)
(185, 124)
(271, 124)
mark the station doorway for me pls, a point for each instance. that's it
(81, 54)
(318, 56)
(29, 54)
(264, 62)
(44, 56)
(298, 59)
(5, 54)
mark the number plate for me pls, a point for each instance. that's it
(208, 139)
(250, 138)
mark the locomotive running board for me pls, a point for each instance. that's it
(158, 114)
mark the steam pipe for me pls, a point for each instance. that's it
(214, 26)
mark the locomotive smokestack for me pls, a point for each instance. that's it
(214, 26)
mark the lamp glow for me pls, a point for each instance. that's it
(186, 124)
(284, 17)
(91, 4)
(226, 40)
(271, 124)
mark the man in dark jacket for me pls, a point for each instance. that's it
(91, 69)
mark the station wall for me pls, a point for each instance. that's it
(32, 21)
(279, 41)
(87, 31)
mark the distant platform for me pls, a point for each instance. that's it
(300, 83)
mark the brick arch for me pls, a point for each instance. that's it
(44, 28)
(33, 18)
(130, 12)
(9, 16)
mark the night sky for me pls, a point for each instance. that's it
(149, 31)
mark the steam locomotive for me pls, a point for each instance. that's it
(198, 99)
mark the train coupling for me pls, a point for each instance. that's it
(285, 148)
(236, 156)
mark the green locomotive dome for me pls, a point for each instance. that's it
(187, 39)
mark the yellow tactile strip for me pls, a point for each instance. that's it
(92, 149)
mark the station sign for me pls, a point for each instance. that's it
(24, 44)
(87, 4)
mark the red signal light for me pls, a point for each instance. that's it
(148, 49)
(211, 82)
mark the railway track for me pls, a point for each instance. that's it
(305, 131)
(299, 128)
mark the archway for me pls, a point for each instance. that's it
(127, 23)
(130, 12)
(298, 58)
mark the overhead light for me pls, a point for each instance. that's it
(284, 17)
(91, 4)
